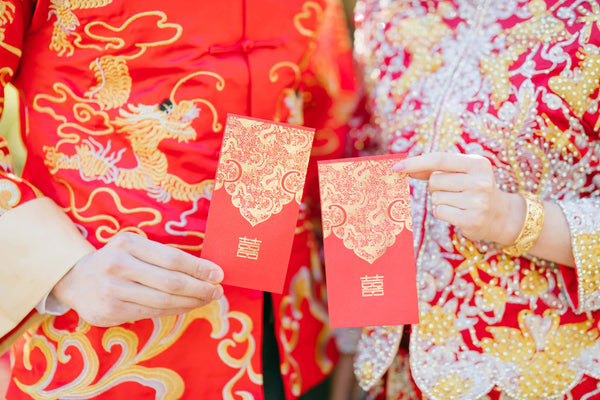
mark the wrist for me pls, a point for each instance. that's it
(63, 288)
(513, 209)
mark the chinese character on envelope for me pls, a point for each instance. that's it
(256, 199)
(367, 228)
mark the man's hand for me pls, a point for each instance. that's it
(133, 278)
(464, 193)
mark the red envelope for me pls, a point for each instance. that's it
(367, 228)
(256, 199)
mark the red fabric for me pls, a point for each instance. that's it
(13, 190)
(4, 373)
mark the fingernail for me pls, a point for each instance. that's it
(399, 166)
(218, 293)
(215, 276)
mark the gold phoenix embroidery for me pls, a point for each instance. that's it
(420, 35)
(588, 273)
(364, 205)
(542, 29)
(578, 90)
(262, 166)
(542, 352)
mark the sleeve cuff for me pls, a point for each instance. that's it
(347, 339)
(39, 244)
(50, 305)
(583, 282)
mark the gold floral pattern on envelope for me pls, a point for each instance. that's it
(365, 204)
(263, 165)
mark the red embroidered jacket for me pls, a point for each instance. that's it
(122, 112)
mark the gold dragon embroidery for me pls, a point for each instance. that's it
(7, 12)
(111, 71)
(7, 16)
(145, 127)
(67, 22)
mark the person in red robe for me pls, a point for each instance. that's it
(122, 104)
(496, 104)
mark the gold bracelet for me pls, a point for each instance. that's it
(532, 226)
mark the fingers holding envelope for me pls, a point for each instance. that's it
(463, 192)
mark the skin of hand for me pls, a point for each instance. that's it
(133, 278)
(464, 193)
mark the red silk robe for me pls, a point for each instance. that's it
(122, 110)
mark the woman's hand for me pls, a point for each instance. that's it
(464, 193)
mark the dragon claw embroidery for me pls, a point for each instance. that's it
(92, 159)
(159, 194)
(95, 161)
(7, 12)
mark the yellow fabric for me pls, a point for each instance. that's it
(30, 322)
(39, 244)
(9, 127)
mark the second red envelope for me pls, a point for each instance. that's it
(367, 228)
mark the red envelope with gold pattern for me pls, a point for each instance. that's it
(367, 228)
(256, 199)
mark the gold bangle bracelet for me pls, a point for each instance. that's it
(532, 226)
